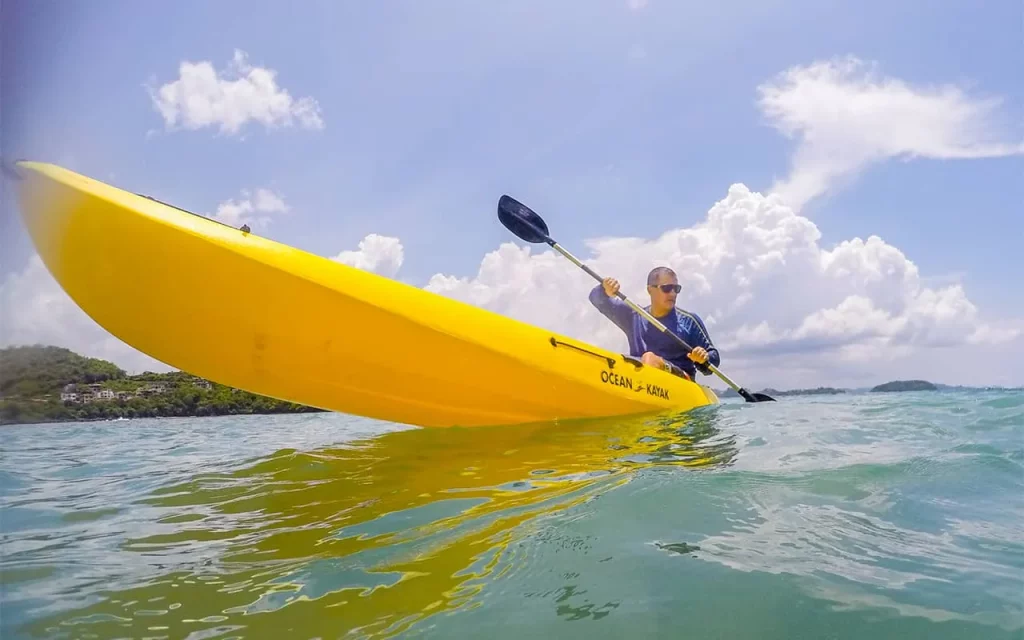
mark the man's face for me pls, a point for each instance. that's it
(659, 296)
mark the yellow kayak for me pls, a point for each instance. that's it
(258, 315)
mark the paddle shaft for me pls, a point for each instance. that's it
(644, 313)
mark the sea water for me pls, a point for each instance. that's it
(863, 515)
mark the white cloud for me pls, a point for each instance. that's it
(35, 310)
(754, 269)
(379, 254)
(202, 97)
(785, 309)
(636, 5)
(846, 117)
(253, 209)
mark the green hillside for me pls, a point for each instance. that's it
(34, 371)
(53, 384)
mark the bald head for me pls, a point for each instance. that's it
(656, 273)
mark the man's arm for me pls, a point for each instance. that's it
(613, 308)
(704, 340)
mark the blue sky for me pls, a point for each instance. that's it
(612, 119)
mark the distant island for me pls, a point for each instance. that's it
(53, 384)
(895, 385)
(906, 385)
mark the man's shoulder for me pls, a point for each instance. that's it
(688, 318)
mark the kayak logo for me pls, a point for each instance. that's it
(655, 390)
(609, 377)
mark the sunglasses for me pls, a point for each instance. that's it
(670, 287)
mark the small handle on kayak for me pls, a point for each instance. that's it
(636, 362)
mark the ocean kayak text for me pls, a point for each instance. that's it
(610, 377)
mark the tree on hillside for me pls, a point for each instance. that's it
(31, 379)
(30, 371)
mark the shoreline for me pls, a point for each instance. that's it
(310, 410)
(54, 385)
(50, 422)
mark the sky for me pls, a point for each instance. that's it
(838, 185)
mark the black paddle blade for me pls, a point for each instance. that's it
(755, 397)
(522, 221)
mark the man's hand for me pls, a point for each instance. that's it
(611, 286)
(698, 355)
(654, 360)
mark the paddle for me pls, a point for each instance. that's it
(530, 227)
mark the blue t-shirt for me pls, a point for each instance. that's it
(644, 336)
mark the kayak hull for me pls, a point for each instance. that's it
(251, 313)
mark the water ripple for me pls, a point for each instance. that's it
(889, 507)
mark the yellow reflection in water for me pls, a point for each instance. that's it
(376, 535)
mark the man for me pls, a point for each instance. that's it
(658, 349)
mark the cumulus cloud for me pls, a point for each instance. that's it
(35, 310)
(203, 97)
(846, 116)
(253, 209)
(824, 312)
(376, 253)
(755, 268)
(860, 302)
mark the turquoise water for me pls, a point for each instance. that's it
(871, 515)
